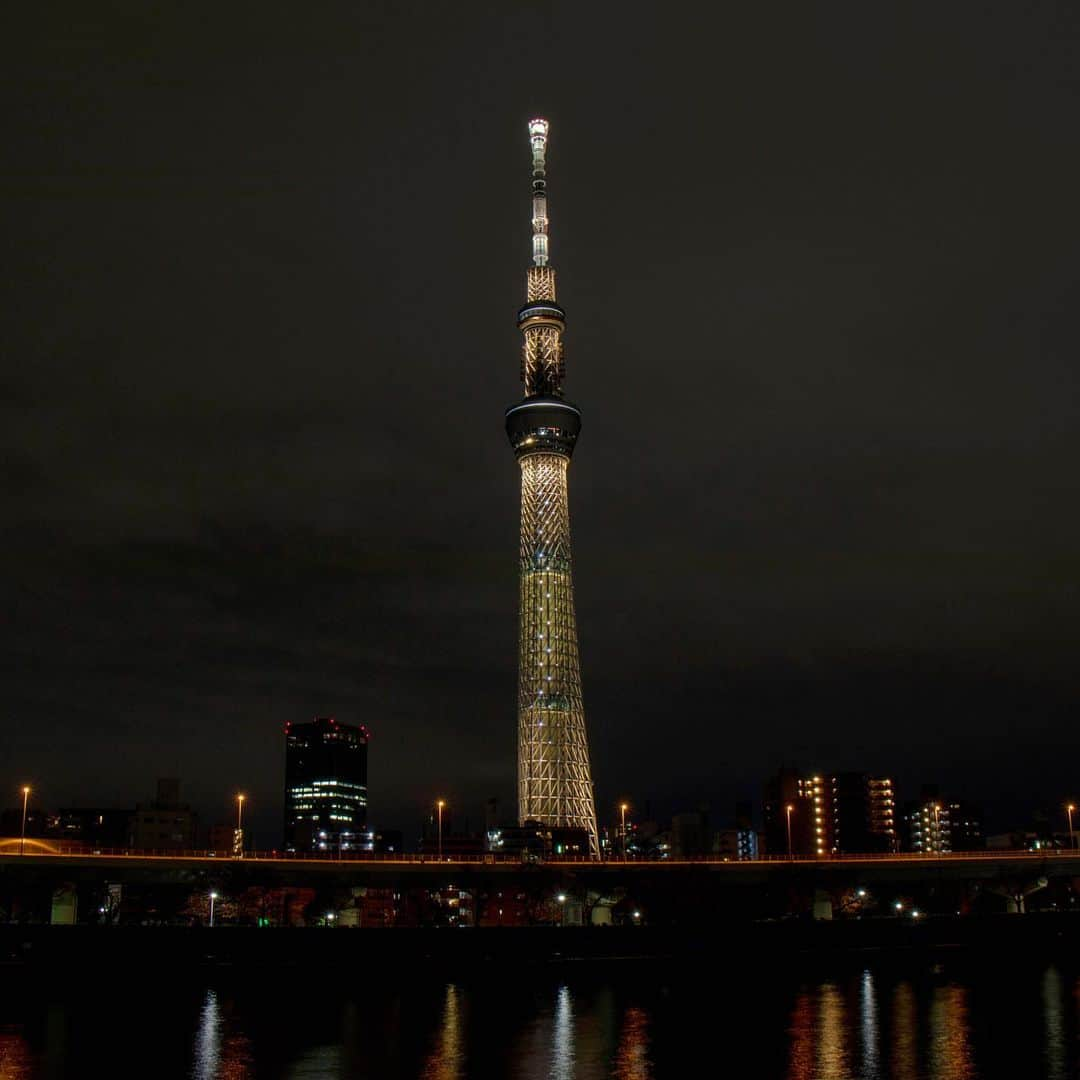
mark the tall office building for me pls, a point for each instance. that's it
(863, 814)
(881, 799)
(787, 789)
(746, 837)
(966, 826)
(554, 776)
(817, 792)
(841, 813)
(934, 825)
(325, 786)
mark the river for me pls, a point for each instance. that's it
(865, 1019)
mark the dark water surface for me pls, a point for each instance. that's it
(909, 1019)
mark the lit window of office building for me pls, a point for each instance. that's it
(881, 800)
(941, 826)
(325, 786)
(863, 814)
(817, 791)
(829, 814)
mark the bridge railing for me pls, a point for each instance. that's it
(37, 847)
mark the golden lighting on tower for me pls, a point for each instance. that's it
(554, 775)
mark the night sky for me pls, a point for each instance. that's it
(262, 264)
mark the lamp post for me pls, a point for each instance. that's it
(623, 807)
(789, 808)
(238, 843)
(213, 897)
(562, 910)
(22, 835)
(1069, 810)
(937, 829)
(439, 807)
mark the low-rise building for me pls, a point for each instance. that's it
(165, 823)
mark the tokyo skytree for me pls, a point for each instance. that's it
(554, 778)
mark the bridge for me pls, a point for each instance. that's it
(486, 889)
(983, 863)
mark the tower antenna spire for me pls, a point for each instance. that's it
(538, 133)
(541, 320)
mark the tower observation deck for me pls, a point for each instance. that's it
(554, 777)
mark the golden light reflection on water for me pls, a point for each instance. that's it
(832, 1050)
(904, 1050)
(15, 1059)
(632, 1054)
(869, 1025)
(822, 1044)
(447, 1060)
(818, 1039)
(951, 1056)
(801, 1038)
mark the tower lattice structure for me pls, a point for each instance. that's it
(554, 777)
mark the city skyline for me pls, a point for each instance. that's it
(823, 318)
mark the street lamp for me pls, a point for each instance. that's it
(623, 807)
(238, 842)
(439, 807)
(1069, 810)
(22, 836)
(562, 910)
(789, 808)
(937, 829)
(213, 897)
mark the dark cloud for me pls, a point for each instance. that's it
(261, 274)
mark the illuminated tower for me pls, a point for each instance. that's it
(554, 778)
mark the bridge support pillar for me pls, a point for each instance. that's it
(65, 906)
(1017, 892)
(823, 906)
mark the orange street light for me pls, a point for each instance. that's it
(238, 839)
(1069, 810)
(623, 807)
(439, 807)
(789, 808)
(22, 836)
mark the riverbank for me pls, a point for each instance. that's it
(100, 948)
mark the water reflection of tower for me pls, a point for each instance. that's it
(16, 1059)
(950, 1033)
(447, 1059)
(554, 774)
(562, 1044)
(632, 1054)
